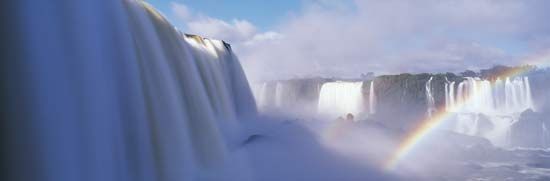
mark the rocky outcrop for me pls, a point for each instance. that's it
(484, 125)
(540, 87)
(531, 130)
(402, 100)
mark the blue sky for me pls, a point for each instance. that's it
(302, 38)
(264, 14)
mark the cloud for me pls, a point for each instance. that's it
(181, 11)
(347, 38)
(236, 31)
(262, 37)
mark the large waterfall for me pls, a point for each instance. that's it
(488, 108)
(340, 98)
(109, 90)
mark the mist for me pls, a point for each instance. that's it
(133, 90)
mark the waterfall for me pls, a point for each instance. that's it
(372, 99)
(528, 95)
(481, 96)
(279, 94)
(340, 98)
(430, 98)
(261, 95)
(449, 95)
(452, 95)
(500, 101)
(268, 95)
(117, 93)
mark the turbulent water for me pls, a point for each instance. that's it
(119, 94)
(488, 108)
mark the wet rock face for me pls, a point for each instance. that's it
(540, 87)
(307, 90)
(484, 125)
(402, 100)
(531, 130)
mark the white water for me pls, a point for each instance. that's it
(372, 98)
(340, 98)
(260, 93)
(501, 101)
(449, 90)
(119, 94)
(481, 96)
(279, 94)
(269, 96)
(430, 98)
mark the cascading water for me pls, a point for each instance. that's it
(117, 93)
(372, 99)
(261, 95)
(340, 98)
(430, 98)
(279, 94)
(449, 94)
(501, 102)
(294, 97)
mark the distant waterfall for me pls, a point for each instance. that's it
(481, 96)
(340, 98)
(279, 94)
(528, 95)
(110, 90)
(266, 95)
(500, 102)
(372, 99)
(262, 95)
(430, 98)
(449, 94)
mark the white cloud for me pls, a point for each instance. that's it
(262, 37)
(236, 31)
(181, 11)
(337, 39)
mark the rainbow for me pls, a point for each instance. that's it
(413, 138)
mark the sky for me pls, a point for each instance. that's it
(344, 38)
